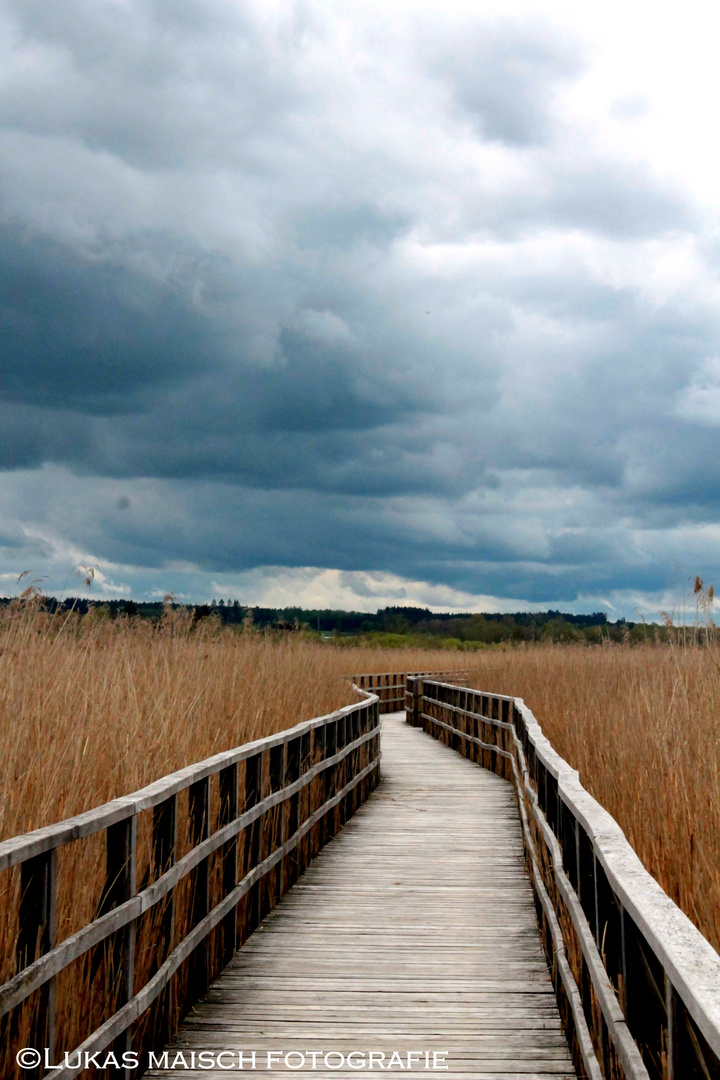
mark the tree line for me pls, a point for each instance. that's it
(395, 625)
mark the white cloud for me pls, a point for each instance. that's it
(699, 400)
(324, 326)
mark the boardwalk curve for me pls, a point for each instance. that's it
(413, 930)
(414, 933)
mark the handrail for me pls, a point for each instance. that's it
(390, 685)
(19, 848)
(638, 984)
(299, 787)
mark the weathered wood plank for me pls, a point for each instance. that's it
(414, 929)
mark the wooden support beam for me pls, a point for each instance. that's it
(38, 919)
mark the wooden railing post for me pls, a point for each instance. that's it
(329, 821)
(164, 847)
(228, 813)
(199, 812)
(277, 819)
(317, 787)
(164, 834)
(38, 917)
(251, 842)
(413, 715)
(342, 741)
(119, 952)
(305, 800)
(291, 810)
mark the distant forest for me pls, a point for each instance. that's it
(390, 625)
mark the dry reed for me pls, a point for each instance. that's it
(93, 708)
(642, 726)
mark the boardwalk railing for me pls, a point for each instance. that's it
(252, 820)
(638, 985)
(390, 685)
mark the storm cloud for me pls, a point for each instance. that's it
(393, 303)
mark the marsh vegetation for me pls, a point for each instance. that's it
(94, 707)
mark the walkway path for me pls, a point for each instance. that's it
(413, 930)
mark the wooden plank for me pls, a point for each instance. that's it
(414, 928)
(495, 1074)
(103, 1036)
(509, 1072)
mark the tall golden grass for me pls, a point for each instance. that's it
(93, 708)
(642, 726)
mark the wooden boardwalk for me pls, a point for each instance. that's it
(413, 930)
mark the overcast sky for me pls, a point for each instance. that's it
(353, 304)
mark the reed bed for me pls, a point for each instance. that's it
(94, 708)
(642, 726)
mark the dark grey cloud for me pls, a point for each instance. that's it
(226, 530)
(90, 336)
(310, 287)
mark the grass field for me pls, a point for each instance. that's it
(97, 708)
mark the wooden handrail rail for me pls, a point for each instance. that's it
(300, 787)
(390, 685)
(19, 848)
(638, 984)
